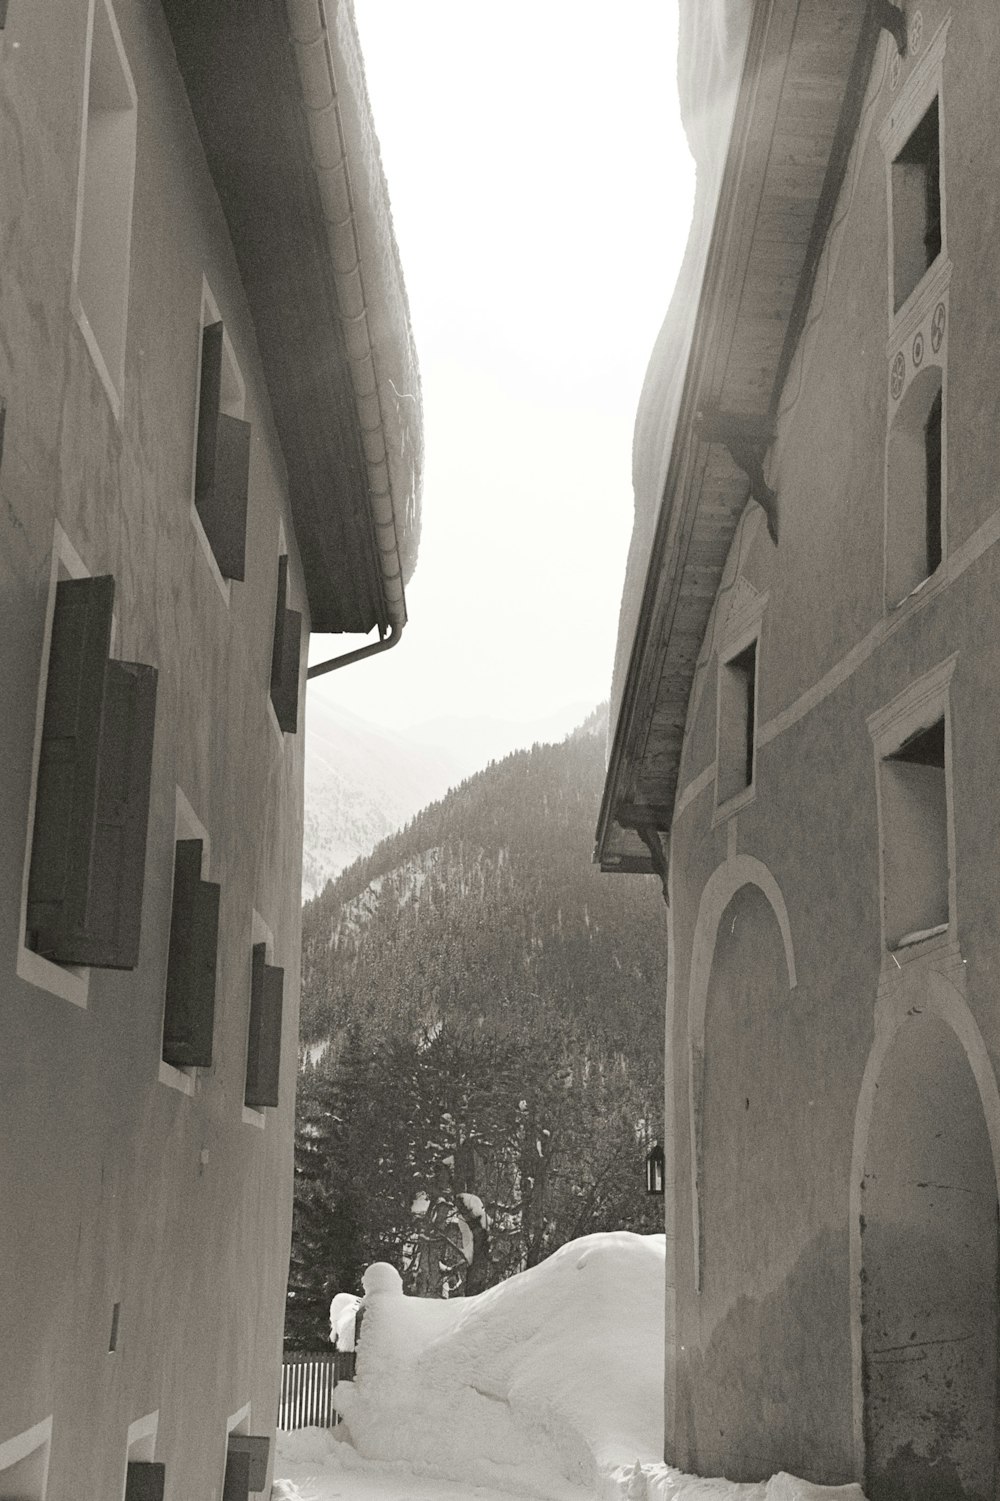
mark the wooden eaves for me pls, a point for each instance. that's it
(805, 71)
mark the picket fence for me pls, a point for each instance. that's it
(308, 1379)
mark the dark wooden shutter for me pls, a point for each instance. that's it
(236, 1486)
(66, 795)
(258, 1449)
(145, 1481)
(88, 848)
(285, 656)
(189, 1015)
(222, 464)
(264, 1035)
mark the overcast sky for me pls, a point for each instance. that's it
(541, 189)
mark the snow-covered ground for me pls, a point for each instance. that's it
(549, 1385)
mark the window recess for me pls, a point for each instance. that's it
(246, 1466)
(285, 656)
(264, 1037)
(189, 1013)
(88, 849)
(102, 250)
(915, 487)
(145, 1480)
(916, 206)
(222, 462)
(914, 814)
(737, 723)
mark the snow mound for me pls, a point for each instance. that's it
(549, 1385)
(552, 1379)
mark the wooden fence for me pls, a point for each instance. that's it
(308, 1379)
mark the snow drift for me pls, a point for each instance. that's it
(554, 1376)
(548, 1385)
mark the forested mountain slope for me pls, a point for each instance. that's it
(482, 1025)
(486, 910)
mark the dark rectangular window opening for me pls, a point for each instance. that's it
(915, 837)
(932, 454)
(737, 723)
(189, 1011)
(916, 206)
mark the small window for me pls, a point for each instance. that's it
(285, 655)
(915, 479)
(914, 814)
(916, 206)
(189, 1012)
(104, 201)
(737, 723)
(222, 460)
(88, 848)
(264, 1032)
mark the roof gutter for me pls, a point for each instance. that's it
(346, 658)
(314, 54)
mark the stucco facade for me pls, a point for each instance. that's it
(146, 1212)
(832, 1043)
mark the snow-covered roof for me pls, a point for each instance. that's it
(770, 97)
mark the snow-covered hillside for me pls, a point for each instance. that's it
(548, 1385)
(362, 783)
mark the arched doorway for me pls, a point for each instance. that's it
(929, 1274)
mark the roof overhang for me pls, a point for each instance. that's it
(794, 115)
(278, 94)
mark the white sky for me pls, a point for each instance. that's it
(541, 191)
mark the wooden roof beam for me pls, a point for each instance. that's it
(747, 440)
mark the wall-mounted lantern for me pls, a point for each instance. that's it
(654, 1169)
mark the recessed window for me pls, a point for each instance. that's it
(145, 1480)
(285, 655)
(24, 1464)
(916, 206)
(88, 846)
(247, 1457)
(914, 815)
(222, 453)
(737, 723)
(189, 1011)
(104, 200)
(915, 479)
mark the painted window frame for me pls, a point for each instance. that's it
(918, 93)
